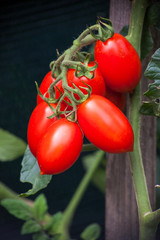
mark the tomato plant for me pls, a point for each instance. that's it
(119, 63)
(105, 125)
(38, 124)
(60, 147)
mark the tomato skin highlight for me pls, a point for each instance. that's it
(105, 125)
(38, 124)
(60, 147)
(119, 63)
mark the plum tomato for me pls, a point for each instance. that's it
(105, 125)
(119, 63)
(38, 124)
(60, 147)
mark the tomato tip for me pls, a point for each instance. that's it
(42, 173)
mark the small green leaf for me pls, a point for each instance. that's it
(153, 91)
(11, 146)
(99, 177)
(150, 108)
(40, 207)
(30, 226)
(30, 172)
(92, 232)
(54, 223)
(40, 236)
(17, 208)
(153, 69)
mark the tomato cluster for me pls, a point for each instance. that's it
(57, 142)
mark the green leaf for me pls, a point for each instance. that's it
(30, 173)
(17, 208)
(40, 236)
(92, 232)
(99, 177)
(40, 207)
(53, 225)
(11, 147)
(30, 226)
(153, 68)
(153, 91)
(150, 108)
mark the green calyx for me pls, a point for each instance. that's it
(73, 58)
(105, 31)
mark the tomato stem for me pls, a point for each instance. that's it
(148, 219)
(72, 206)
(60, 66)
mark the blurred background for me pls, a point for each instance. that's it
(30, 33)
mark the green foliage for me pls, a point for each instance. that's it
(152, 107)
(11, 147)
(153, 68)
(17, 208)
(37, 222)
(99, 177)
(53, 224)
(30, 172)
(40, 207)
(30, 226)
(91, 232)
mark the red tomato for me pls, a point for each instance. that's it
(47, 81)
(119, 99)
(119, 63)
(60, 147)
(105, 125)
(38, 124)
(97, 83)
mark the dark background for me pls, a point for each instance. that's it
(30, 33)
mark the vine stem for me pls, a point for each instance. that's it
(72, 206)
(147, 228)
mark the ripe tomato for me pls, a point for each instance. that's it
(60, 147)
(97, 83)
(38, 124)
(105, 125)
(47, 81)
(119, 99)
(119, 63)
